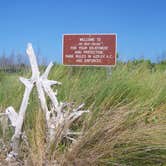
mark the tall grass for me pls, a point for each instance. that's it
(127, 123)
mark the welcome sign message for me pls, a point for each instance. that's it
(89, 49)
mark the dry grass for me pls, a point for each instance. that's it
(120, 138)
(36, 139)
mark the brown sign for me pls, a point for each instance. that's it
(96, 49)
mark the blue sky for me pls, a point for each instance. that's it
(140, 25)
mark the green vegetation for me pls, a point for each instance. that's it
(127, 122)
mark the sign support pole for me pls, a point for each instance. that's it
(109, 71)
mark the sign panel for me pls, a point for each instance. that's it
(89, 49)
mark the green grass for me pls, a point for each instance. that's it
(127, 122)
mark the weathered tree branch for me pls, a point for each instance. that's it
(58, 119)
(37, 80)
(18, 118)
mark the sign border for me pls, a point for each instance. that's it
(74, 34)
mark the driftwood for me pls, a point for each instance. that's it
(58, 119)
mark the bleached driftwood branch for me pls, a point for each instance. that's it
(17, 119)
(37, 79)
(58, 119)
